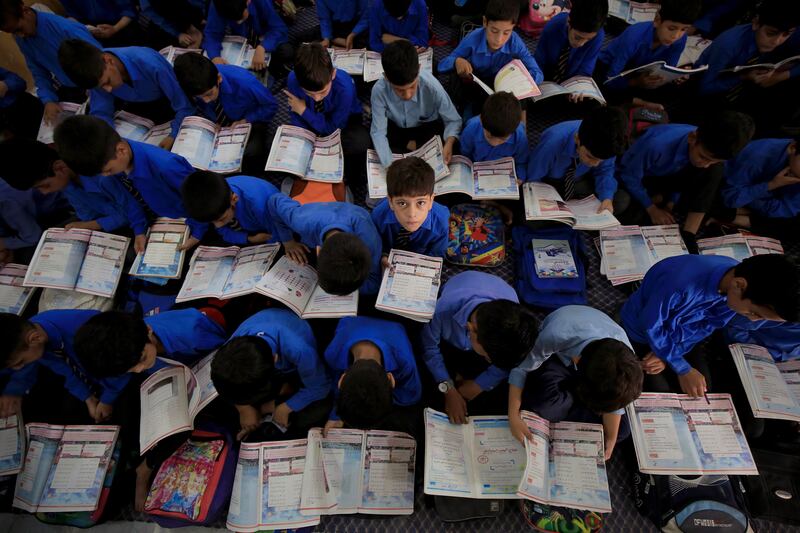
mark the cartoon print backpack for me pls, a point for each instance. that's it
(560, 519)
(476, 236)
(539, 13)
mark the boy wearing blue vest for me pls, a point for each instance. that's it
(343, 23)
(392, 20)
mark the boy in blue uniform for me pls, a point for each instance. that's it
(409, 219)
(683, 299)
(347, 244)
(582, 369)
(236, 206)
(342, 23)
(782, 339)
(20, 112)
(230, 95)
(478, 333)
(174, 22)
(140, 77)
(392, 20)
(113, 21)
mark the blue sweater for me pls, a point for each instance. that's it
(242, 96)
(412, 26)
(337, 107)
(554, 38)
(431, 238)
(251, 210)
(475, 146)
(266, 22)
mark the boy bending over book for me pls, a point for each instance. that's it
(398, 20)
(581, 369)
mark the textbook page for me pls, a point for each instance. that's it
(577, 85)
(495, 180)
(327, 159)
(459, 180)
(158, 133)
(695, 45)
(432, 153)
(68, 109)
(102, 264)
(195, 141)
(132, 127)
(642, 12)
(162, 257)
(209, 270)
(499, 458)
(244, 512)
(282, 466)
(14, 297)
(58, 258)
(170, 53)
(733, 246)
(764, 245)
(535, 482)
(164, 406)
(343, 466)
(516, 79)
(388, 473)
(410, 286)
(289, 283)
(203, 391)
(661, 69)
(317, 496)
(236, 51)
(229, 147)
(587, 217)
(625, 252)
(43, 441)
(767, 390)
(664, 241)
(373, 68)
(448, 457)
(12, 443)
(248, 268)
(350, 61)
(542, 202)
(376, 174)
(785, 64)
(324, 305)
(291, 150)
(578, 476)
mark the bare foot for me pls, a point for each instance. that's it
(142, 486)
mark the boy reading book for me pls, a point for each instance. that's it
(395, 20)
(581, 369)
(20, 112)
(113, 22)
(479, 332)
(140, 77)
(230, 95)
(408, 219)
(343, 23)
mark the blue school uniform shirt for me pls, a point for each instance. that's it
(747, 180)
(412, 26)
(554, 38)
(89, 199)
(15, 84)
(714, 11)
(663, 150)
(731, 48)
(251, 210)
(431, 238)
(782, 339)
(99, 11)
(396, 351)
(634, 48)
(459, 298)
(152, 78)
(41, 51)
(555, 153)
(154, 17)
(267, 23)
(312, 221)
(242, 96)
(337, 107)
(486, 63)
(19, 211)
(429, 103)
(329, 11)
(291, 338)
(678, 305)
(475, 146)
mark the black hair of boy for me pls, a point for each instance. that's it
(400, 62)
(502, 11)
(206, 195)
(506, 331)
(365, 395)
(724, 134)
(313, 66)
(588, 16)
(231, 9)
(609, 376)
(86, 143)
(343, 263)
(196, 74)
(409, 177)
(501, 114)
(243, 371)
(779, 14)
(25, 162)
(10, 10)
(396, 8)
(111, 343)
(772, 281)
(12, 337)
(602, 132)
(82, 62)
(681, 11)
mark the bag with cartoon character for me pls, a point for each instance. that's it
(477, 236)
(539, 13)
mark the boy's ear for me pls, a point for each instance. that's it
(692, 138)
(740, 284)
(391, 379)
(657, 21)
(318, 249)
(107, 59)
(333, 76)
(341, 378)
(121, 149)
(59, 167)
(34, 337)
(485, 22)
(219, 79)
(234, 198)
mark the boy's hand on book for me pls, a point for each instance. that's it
(249, 420)
(782, 179)
(609, 448)
(463, 68)
(469, 389)
(185, 40)
(447, 150)
(259, 238)
(331, 424)
(455, 406)
(652, 364)
(606, 205)
(385, 262)
(190, 243)
(519, 429)
(326, 43)
(297, 252)
(259, 59)
(6, 256)
(84, 224)
(647, 81)
(51, 112)
(10, 405)
(297, 105)
(139, 243)
(219, 61)
(281, 415)
(104, 31)
(660, 216)
(693, 383)
(349, 41)
(91, 405)
(167, 142)
(773, 77)
(102, 412)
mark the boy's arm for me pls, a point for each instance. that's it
(102, 105)
(667, 343)
(277, 205)
(277, 32)
(14, 83)
(490, 378)
(449, 114)
(263, 104)
(325, 17)
(72, 383)
(518, 427)
(127, 204)
(363, 17)
(540, 159)
(544, 47)
(316, 383)
(590, 54)
(718, 58)
(21, 381)
(383, 229)
(521, 151)
(616, 55)
(154, 17)
(431, 336)
(420, 35)
(463, 50)
(375, 27)
(439, 241)
(785, 205)
(632, 171)
(86, 211)
(379, 127)
(174, 170)
(176, 96)
(113, 387)
(43, 81)
(605, 184)
(610, 432)
(23, 223)
(520, 50)
(408, 386)
(213, 33)
(228, 235)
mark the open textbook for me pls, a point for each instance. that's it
(296, 287)
(485, 180)
(210, 147)
(171, 52)
(162, 257)
(12, 444)
(300, 152)
(171, 398)
(773, 389)
(739, 246)
(226, 272)
(136, 128)
(432, 152)
(695, 46)
(681, 435)
(666, 72)
(628, 252)
(513, 78)
(786, 64)
(373, 68)
(78, 259)
(64, 467)
(410, 285)
(542, 202)
(14, 296)
(633, 12)
(350, 61)
(236, 51)
(68, 109)
(577, 85)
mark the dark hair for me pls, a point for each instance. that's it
(12, 336)
(602, 132)
(25, 162)
(396, 8)
(502, 10)
(609, 376)
(206, 195)
(365, 396)
(681, 11)
(400, 62)
(313, 66)
(501, 114)
(243, 371)
(772, 281)
(86, 143)
(779, 14)
(111, 343)
(410, 176)
(506, 330)
(230, 9)
(195, 73)
(82, 62)
(344, 263)
(10, 9)
(724, 134)
(588, 16)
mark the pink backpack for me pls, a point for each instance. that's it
(539, 13)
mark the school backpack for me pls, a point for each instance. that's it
(539, 13)
(774, 494)
(641, 118)
(542, 517)
(477, 236)
(310, 192)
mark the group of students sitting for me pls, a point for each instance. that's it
(483, 352)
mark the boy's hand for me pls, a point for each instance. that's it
(102, 412)
(469, 389)
(660, 216)
(609, 448)
(219, 61)
(331, 424)
(167, 142)
(51, 112)
(782, 179)
(239, 122)
(6, 256)
(648, 81)
(190, 243)
(10, 405)
(297, 105)
(518, 427)
(259, 238)
(349, 41)
(3, 89)
(326, 43)
(606, 205)
(652, 364)
(248, 420)
(463, 68)
(281, 415)
(447, 150)
(385, 262)
(185, 40)
(259, 59)
(84, 224)
(455, 406)
(693, 383)
(296, 251)
(104, 31)
(91, 405)
(139, 243)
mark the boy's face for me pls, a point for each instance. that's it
(148, 359)
(25, 26)
(120, 162)
(320, 95)
(411, 211)
(669, 31)
(699, 156)
(35, 341)
(472, 329)
(579, 38)
(585, 156)
(492, 140)
(212, 94)
(111, 77)
(768, 38)
(229, 213)
(745, 306)
(498, 32)
(406, 92)
(57, 181)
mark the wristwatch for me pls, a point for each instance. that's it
(445, 386)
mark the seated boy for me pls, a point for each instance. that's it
(230, 95)
(578, 157)
(20, 111)
(479, 332)
(570, 43)
(236, 206)
(374, 376)
(396, 20)
(582, 369)
(113, 22)
(683, 299)
(408, 219)
(409, 107)
(135, 75)
(343, 23)
(681, 162)
(270, 365)
(174, 22)
(347, 244)
(255, 20)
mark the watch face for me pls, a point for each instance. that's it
(443, 387)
